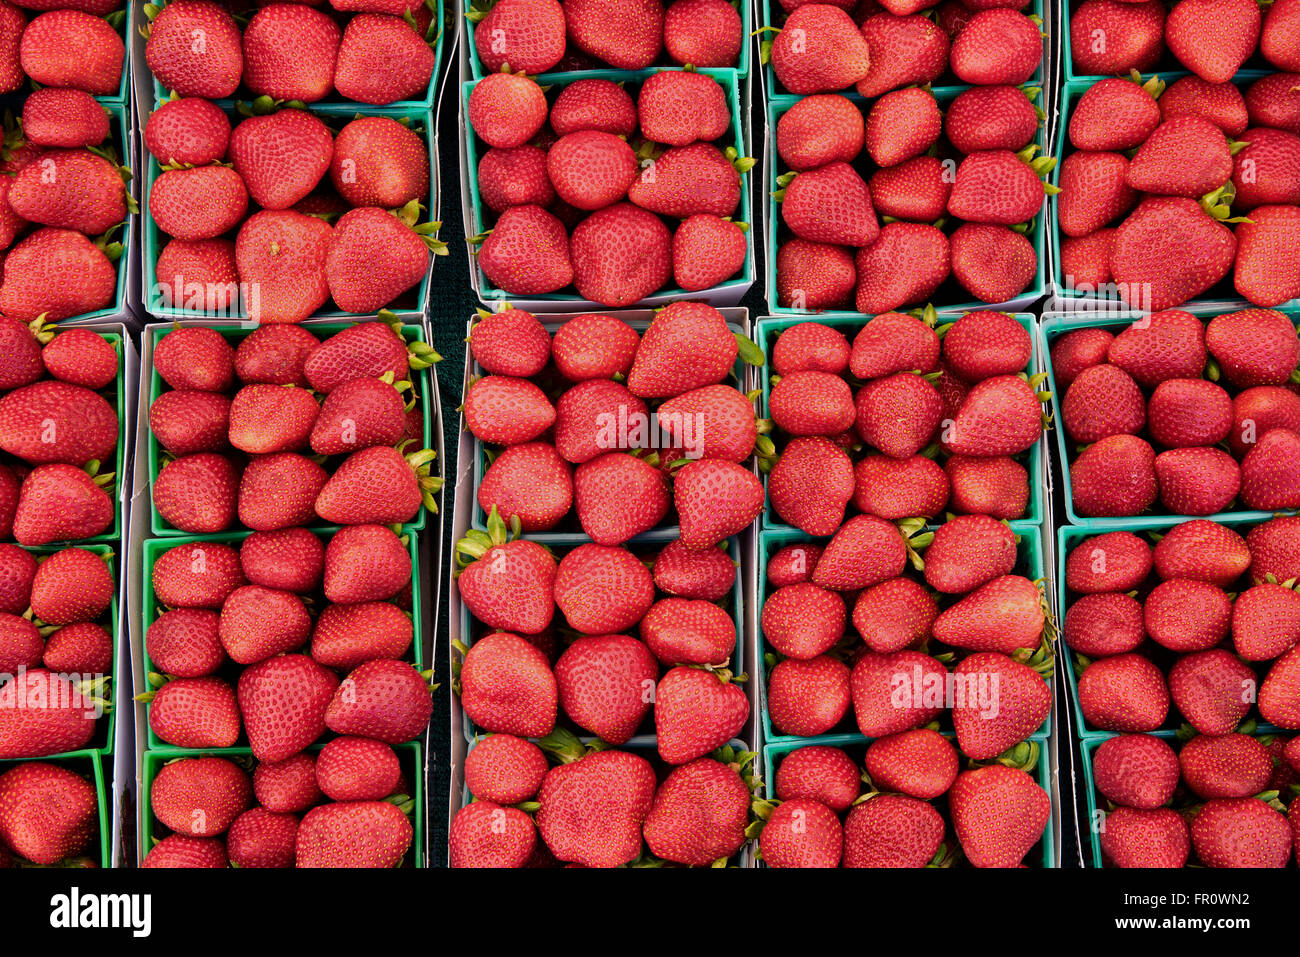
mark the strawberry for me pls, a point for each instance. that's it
(685, 181)
(11, 71)
(1186, 615)
(262, 838)
(891, 343)
(903, 266)
(706, 33)
(820, 773)
(618, 496)
(1000, 416)
(1257, 411)
(593, 805)
(819, 50)
(1103, 401)
(1194, 252)
(801, 832)
(199, 203)
(17, 570)
(1094, 191)
(818, 130)
(998, 46)
(687, 346)
(591, 169)
(64, 119)
(699, 813)
(706, 574)
(365, 563)
(357, 769)
(1023, 702)
(997, 186)
(279, 491)
(1245, 832)
(197, 493)
(606, 685)
(186, 643)
(792, 564)
(277, 355)
(678, 108)
(814, 276)
(1265, 272)
(289, 53)
(980, 345)
(620, 255)
(212, 71)
(1161, 167)
(364, 350)
(378, 161)
(902, 50)
(71, 586)
(353, 834)
(271, 418)
(381, 60)
(1085, 260)
(176, 851)
(997, 487)
(506, 110)
(358, 414)
(695, 712)
(916, 189)
(199, 274)
(81, 357)
(811, 484)
(81, 423)
(1273, 101)
(23, 354)
(70, 189)
(865, 551)
(529, 482)
(1272, 549)
(893, 615)
(527, 252)
(902, 124)
(47, 812)
(998, 814)
(196, 575)
(1281, 28)
(1123, 693)
(514, 177)
(899, 488)
(890, 692)
(991, 118)
(1115, 115)
(1188, 412)
(582, 416)
(920, 763)
(1213, 38)
(1227, 766)
(1004, 615)
(892, 830)
(1253, 347)
(1267, 171)
(485, 834)
(803, 620)
(726, 429)
(69, 48)
(967, 552)
(84, 648)
(627, 35)
(62, 503)
(1132, 837)
(43, 713)
(1114, 476)
(529, 36)
(348, 635)
(1277, 696)
(715, 499)
(195, 713)
(830, 204)
(200, 797)
(812, 403)
(281, 257)
(994, 263)
(288, 786)
(57, 274)
(283, 703)
(683, 631)
(1269, 479)
(187, 130)
(1136, 770)
(1109, 37)
(1166, 345)
(379, 486)
(504, 769)
(1265, 621)
(593, 104)
(21, 644)
(1220, 103)
(510, 342)
(281, 156)
(898, 415)
(1104, 624)
(808, 697)
(508, 585)
(258, 622)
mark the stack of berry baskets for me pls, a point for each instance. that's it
(592, 554)
(348, 590)
(893, 208)
(912, 524)
(62, 529)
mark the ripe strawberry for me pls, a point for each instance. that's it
(1104, 624)
(212, 71)
(695, 712)
(1160, 165)
(57, 274)
(47, 812)
(81, 423)
(283, 702)
(62, 503)
(514, 177)
(592, 806)
(1272, 549)
(1253, 347)
(64, 119)
(627, 35)
(1269, 478)
(707, 574)
(1265, 271)
(262, 838)
(1136, 770)
(705, 33)
(198, 493)
(1245, 832)
(1131, 36)
(808, 402)
(1272, 101)
(17, 570)
(1186, 615)
(289, 53)
(1277, 696)
(506, 110)
(282, 255)
(1023, 702)
(187, 130)
(830, 204)
(529, 482)
(1257, 411)
(1085, 260)
(686, 347)
(527, 252)
(71, 586)
(83, 648)
(803, 620)
(379, 486)
(1267, 171)
(1227, 766)
(894, 615)
(707, 251)
(715, 499)
(902, 124)
(1265, 621)
(1132, 837)
(1194, 252)
(43, 713)
(1004, 615)
(903, 266)
(994, 263)
(504, 769)
(81, 357)
(1094, 191)
(382, 59)
(792, 564)
(69, 48)
(998, 814)
(819, 50)
(620, 255)
(724, 425)
(1213, 38)
(195, 713)
(1114, 476)
(814, 276)
(175, 851)
(485, 834)
(357, 769)
(518, 596)
(892, 830)
(353, 834)
(22, 363)
(592, 104)
(348, 635)
(1115, 115)
(186, 643)
(365, 563)
(998, 46)
(818, 130)
(358, 414)
(967, 552)
(281, 156)
(980, 345)
(1220, 103)
(196, 575)
(364, 350)
(1189, 412)
(288, 786)
(991, 118)
(277, 355)
(808, 697)
(378, 161)
(279, 491)
(21, 644)
(682, 631)
(375, 256)
(678, 108)
(699, 814)
(820, 773)
(889, 692)
(70, 189)
(685, 181)
(801, 833)
(271, 418)
(996, 186)
(258, 622)
(920, 763)
(903, 50)
(527, 36)
(1000, 416)
(199, 274)
(1167, 345)
(11, 71)
(901, 488)
(511, 342)
(618, 496)
(606, 685)
(891, 343)
(916, 189)
(200, 797)
(199, 203)
(1123, 693)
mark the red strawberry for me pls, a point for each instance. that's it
(998, 46)
(529, 482)
(1186, 615)
(1267, 171)
(811, 484)
(967, 552)
(1094, 191)
(891, 343)
(212, 71)
(707, 251)
(715, 500)
(71, 586)
(819, 50)
(186, 642)
(57, 274)
(801, 833)
(1161, 166)
(808, 697)
(17, 570)
(991, 118)
(357, 769)
(1114, 476)
(84, 648)
(365, 563)
(1131, 837)
(258, 622)
(814, 276)
(281, 255)
(1245, 832)
(55, 422)
(1104, 624)
(1265, 621)
(358, 414)
(1257, 411)
(281, 156)
(22, 363)
(994, 263)
(353, 834)
(383, 59)
(602, 589)
(683, 631)
(195, 713)
(830, 204)
(627, 35)
(1115, 115)
(593, 105)
(279, 491)
(687, 346)
(43, 713)
(510, 342)
(197, 493)
(520, 599)
(270, 418)
(485, 834)
(620, 255)
(803, 620)
(606, 685)
(707, 574)
(699, 813)
(792, 564)
(818, 130)
(618, 496)
(902, 124)
(289, 53)
(199, 203)
(47, 812)
(176, 851)
(379, 486)
(997, 487)
(514, 177)
(1000, 416)
(506, 110)
(1189, 412)
(262, 838)
(69, 48)
(283, 702)
(1265, 271)
(685, 181)
(903, 50)
(348, 635)
(980, 345)
(997, 186)
(187, 130)
(1013, 705)
(893, 615)
(81, 357)
(62, 503)
(916, 189)
(527, 252)
(1194, 251)
(288, 786)
(1269, 477)
(1164, 345)
(1102, 401)
(882, 421)
(920, 763)
(198, 575)
(678, 108)
(277, 355)
(1272, 101)
(1253, 346)
(903, 266)
(378, 161)
(1123, 693)
(375, 256)
(900, 488)
(695, 712)
(1220, 103)
(1277, 696)
(1213, 38)
(1109, 37)
(200, 797)
(1136, 770)
(504, 769)
(808, 402)
(1227, 766)
(1085, 260)
(199, 274)
(1272, 548)
(706, 33)
(998, 814)
(593, 805)
(64, 118)
(11, 71)
(527, 36)
(820, 773)
(889, 692)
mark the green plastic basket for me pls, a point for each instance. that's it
(235, 334)
(410, 754)
(90, 765)
(153, 548)
(650, 542)
(769, 328)
(741, 68)
(1053, 328)
(730, 83)
(856, 745)
(778, 107)
(1030, 562)
(1070, 536)
(154, 238)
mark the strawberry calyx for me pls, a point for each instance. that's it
(916, 539)
(1153, 84)
(419, 354)
(1023, 756)
(1219, 204)
(566, 748)
(409, 215)
(434, 30)
(478, 542)
(741, 164)
(749, 351)
(265, 105)
(782, 181)
(108, 246)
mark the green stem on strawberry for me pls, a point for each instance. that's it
(563, 745)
